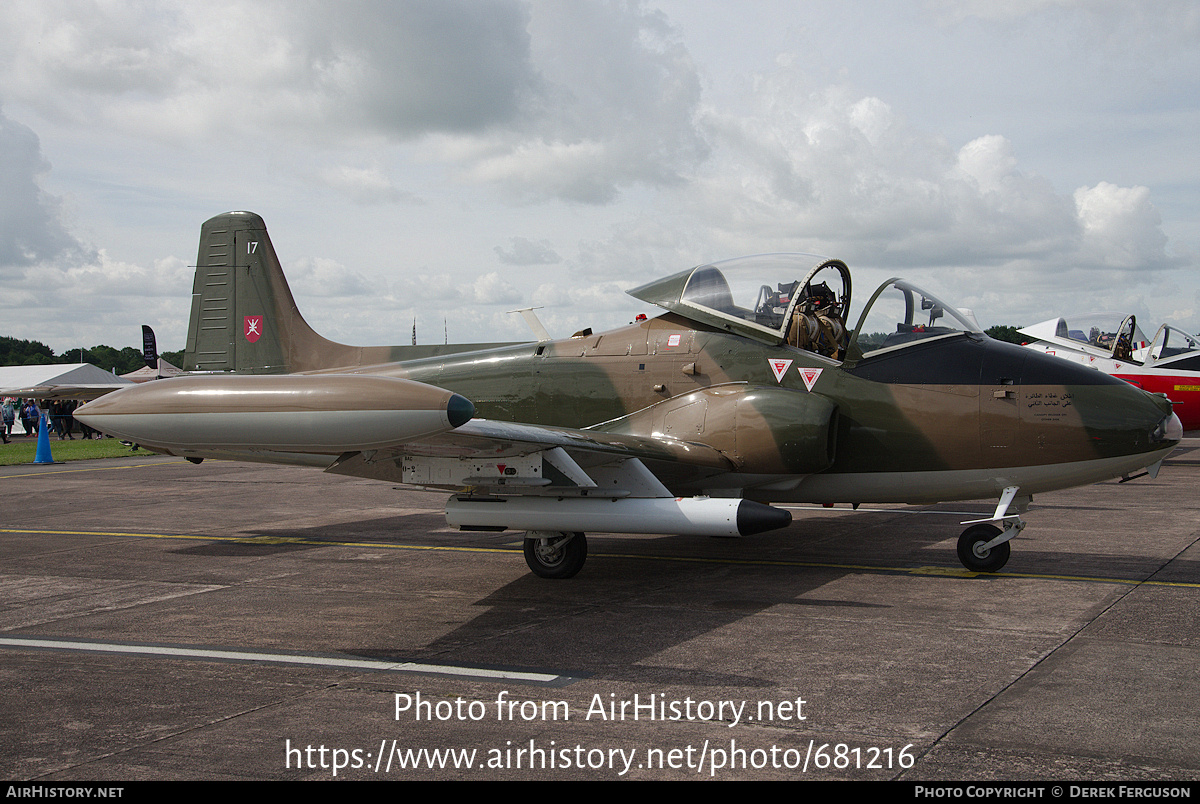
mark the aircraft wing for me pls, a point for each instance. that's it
(50, 393)
(390, 429)
(485, 455)
(486, 438)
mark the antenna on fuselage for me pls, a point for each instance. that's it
(534, 324)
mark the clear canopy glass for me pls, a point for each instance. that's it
(1171, 342)
(762, 290)
(901, 314)
(1100, 330)
(802, 300)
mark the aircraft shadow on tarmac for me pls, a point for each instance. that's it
(268, 542)
(643, 595)
(638, 597)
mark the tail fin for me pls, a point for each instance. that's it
(244, 318)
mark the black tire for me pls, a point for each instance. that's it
(977, 535)
(555, 555)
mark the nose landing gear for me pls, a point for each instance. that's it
(979, 549)
(983, 547)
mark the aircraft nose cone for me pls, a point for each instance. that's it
(1127, 420)
(1063, 401)
(1169, 429)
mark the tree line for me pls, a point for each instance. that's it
(17, 352)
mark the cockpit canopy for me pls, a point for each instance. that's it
(1098, 330)
(901, 314)
(752, 295)
(803, 300)
(1117, 336)
(1173, 345)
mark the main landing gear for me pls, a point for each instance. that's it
(555, 554)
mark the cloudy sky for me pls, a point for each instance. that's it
(450, 160)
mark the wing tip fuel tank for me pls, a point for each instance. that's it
(753, 517)
(300, 413)
(459, 410)
(684, 516)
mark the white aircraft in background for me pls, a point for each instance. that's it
(1168, 363)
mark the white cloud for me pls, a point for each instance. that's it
(1121, 228)
(102, 300)
(823, 169)
(950, 11)
(551, 295)
(625, 145)
(362, 185)
(30, 227)
(607, 296)
(305, 70)
(436, 288)
(1002, 213)
(491, 288)
(523, 251)
(324, 278)
(615, 108)
(572, 100)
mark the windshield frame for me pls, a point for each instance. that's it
(855, 352)
(1162, 339)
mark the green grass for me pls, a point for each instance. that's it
(23, 450)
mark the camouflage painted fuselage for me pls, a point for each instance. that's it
(969, 405)
(713, 404)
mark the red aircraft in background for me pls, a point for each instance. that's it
(1168, 363)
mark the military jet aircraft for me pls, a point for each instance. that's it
(1168, 363)
(748, 389)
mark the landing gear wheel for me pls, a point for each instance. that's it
(551, 554)
(974, 556)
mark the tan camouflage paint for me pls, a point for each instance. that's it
(675, 380)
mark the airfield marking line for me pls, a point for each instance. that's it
(253, 540)
(347, 663)
(927, 570)
(90, 469)
(910, 512)
(112, 533)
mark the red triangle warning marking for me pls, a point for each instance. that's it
(810, 376)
